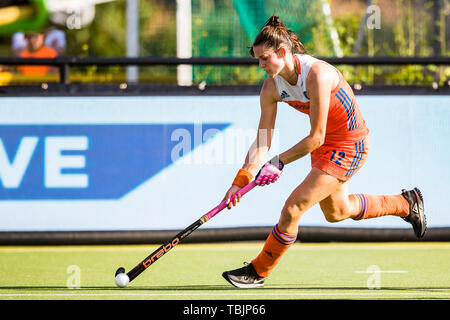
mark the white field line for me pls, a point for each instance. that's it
(382, 271)
(262, 294)
(235, 246)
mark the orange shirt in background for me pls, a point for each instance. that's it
(44, 52)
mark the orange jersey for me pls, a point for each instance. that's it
(344, 122)
(346, 142)
(44, 52)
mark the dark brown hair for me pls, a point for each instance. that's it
(274, 34)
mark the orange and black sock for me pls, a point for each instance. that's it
(378, 206)
(276, 245)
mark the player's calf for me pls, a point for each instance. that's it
(335, 216)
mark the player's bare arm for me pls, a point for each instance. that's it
(258, 150)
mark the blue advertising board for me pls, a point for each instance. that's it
(134, 163)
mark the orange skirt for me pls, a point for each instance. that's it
(341, 160)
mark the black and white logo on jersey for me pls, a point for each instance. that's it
(284, 95)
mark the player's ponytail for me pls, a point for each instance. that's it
(274, 34)
(274, 21)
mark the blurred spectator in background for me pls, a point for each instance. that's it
(36, 49)
(56, 39)
(19, 43)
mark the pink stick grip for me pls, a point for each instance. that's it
(223, 204)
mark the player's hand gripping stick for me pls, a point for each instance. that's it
(270, 172)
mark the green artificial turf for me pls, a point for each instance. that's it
(418, 270)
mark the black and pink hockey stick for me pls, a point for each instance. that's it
(163, 249)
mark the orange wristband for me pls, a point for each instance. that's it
(243, 178)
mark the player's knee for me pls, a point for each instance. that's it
(292, 211)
